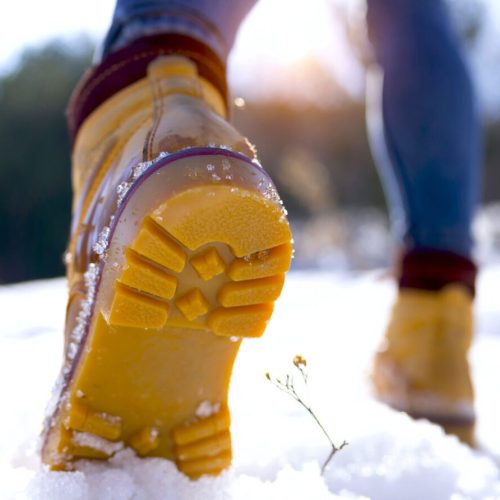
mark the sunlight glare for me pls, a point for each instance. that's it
(294, 50)
(287, 31)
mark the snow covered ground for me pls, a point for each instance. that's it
(333, 320)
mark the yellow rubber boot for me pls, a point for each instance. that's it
(422, 366)
(179, 248)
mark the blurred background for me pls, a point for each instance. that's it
(299, 82)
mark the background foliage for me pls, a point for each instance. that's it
(318, 156)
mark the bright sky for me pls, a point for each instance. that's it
(267, 53)
(28, 22)
(271, 52)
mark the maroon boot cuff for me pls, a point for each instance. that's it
(427, 269)
(124, 67)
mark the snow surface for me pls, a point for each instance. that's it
(333, 320)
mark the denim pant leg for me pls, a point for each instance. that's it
(428, 122)
(214, 22)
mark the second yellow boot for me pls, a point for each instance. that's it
(422, 365)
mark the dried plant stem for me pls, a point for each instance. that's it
(288, 387)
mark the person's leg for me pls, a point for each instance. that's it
(426, 139)
(177, 252)
(429, 127)
(215, 22)
(142, 30)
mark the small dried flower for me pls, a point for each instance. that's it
(298, 360)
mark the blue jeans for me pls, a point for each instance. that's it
(422, 115)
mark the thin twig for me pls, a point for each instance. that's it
(288, 387)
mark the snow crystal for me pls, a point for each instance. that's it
(55, 395)
(72, 350)
(112, 419)
(122, 190)
(139, 169)
(269, 192)
(124, 187)
(253, 149)
(102, 242)
(206, 409)
(96, 442)
(75, 337)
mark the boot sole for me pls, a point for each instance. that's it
(195, 260)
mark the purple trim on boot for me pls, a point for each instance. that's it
(126, 66)
(157, 165)
(428, 269)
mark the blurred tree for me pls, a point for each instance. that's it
(35, 192)
(323, 145)
(334, 137)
